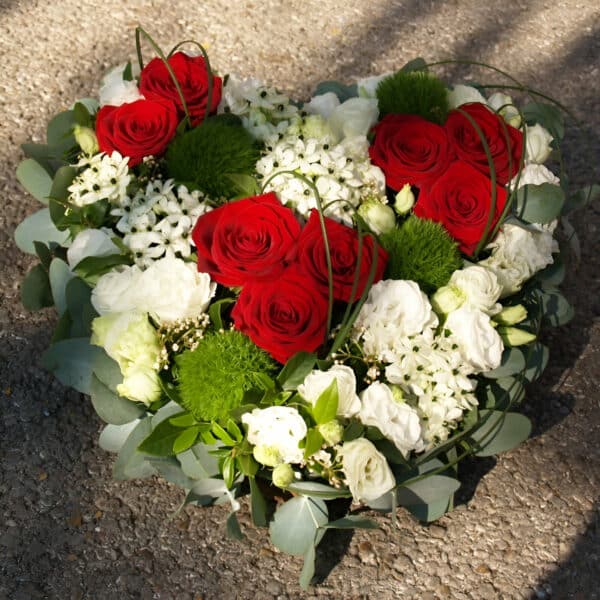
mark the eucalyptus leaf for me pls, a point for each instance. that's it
(59, 274)
(38, 227)
(78, 297)
(35, 179)
(352, 522)
(35, 289)
(316, 489)
(170, 469)
(160, 442)
(113, 437)
(198, 463)
(430, 489)
(539, 203)
(107, 370)
(206, 492)
(416, 64)
(342, 91)
(537, 359)
(296, 369)
(308, 567)
(60, 131)
(556, 308)
(547, 115)
(258, 505)
(131, 463)
(500, 432)
(502, 392)
(233, 527)
(432, 511)
(61, 182)
(111, 407)
(513, 362)
(582, 198)
(295, 525)
(166, 412)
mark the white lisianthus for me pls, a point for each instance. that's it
(464, 94)
(130, 340)
(278, 428)
(367, 87)
(379, 217)
(115, 91)
(480, 287)
(90, 242)
(538, 147)
(115, 291)
(504, 106)
(355, 117)
(478, 341)
(323, 105)
(367, 472)
(316, 382)
(86, 138)
(533, 174)
(397, 421)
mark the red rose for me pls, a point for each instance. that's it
(461, 201)
(284, 315)
(343, 247)
(504, 141)
(136, 129)
(192, 76)
(410, 149)
(245, 241)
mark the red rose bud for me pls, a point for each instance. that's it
(283, 316)
(343, 246)
(504, 141)
(461, 201)
(248, 240)
(192, 76)
(410, 149)
(136, 129)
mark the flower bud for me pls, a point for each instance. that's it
(537, 147)
(283, 475)
(511, 315)
(513, 336)
(447, 299)
(86, 138)
(503, 105)
(405, 200)
(379, 217)
(267, 455)
(331, 431)
(397, 393)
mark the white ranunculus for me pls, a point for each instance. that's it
(478, 341)
(279, 428)
(538, 147)
(114, 290)
(533, 174)
(480, 287)
(464, 94)
(90, 242)
(503, 104)
(115, 91)
(367, 87)
(323, 104)
(397, 421)
(367, 472)
(354, 117)
(316, 382)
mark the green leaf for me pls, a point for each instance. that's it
(500, 432)
(353, 431)
(228, 470)
(342, 91)
(160, 441)
(130, 463)
(554, 274)
(295, 525)
(556, 308)
(315, 489)
(60, 184)
(38, 227)
(44, 254)
(107, 370)
(206, 492)
(247, 465)
(391, 452)
(502, 392)
(127, 72)
(113, 437)
(215, 312)
(537, 359)
(539, 203)
(59, 274)
(81, 115)
(197, 463)
(35, 289)
(35, 179)
(60, 131)
(430, 489)
(78, 298)
(547, 115)
(183, 420)
(513, 362)
(72, 362)
(258, 505)
(169, 469)
(233, 527)
(314, 441)
(581, 198)
(222, 435)
(352, 522)
(325, 408)
(92, 268)
(111, 407)
(185, 440)
(416, 64)
(430, 512)
(296, 369)
(308, 567)
(245, 185)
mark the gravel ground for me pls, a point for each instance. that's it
(526, 524)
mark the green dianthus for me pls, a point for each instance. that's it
(207, 155)
(214, 376)
(422, 251)
(413, 93)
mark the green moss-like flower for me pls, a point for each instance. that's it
(422, 251)
(413, 93)
(207, 155)
(214, 376)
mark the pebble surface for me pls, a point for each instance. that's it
(526, 524)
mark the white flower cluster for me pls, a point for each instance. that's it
(264, 111)
(102, 177)
(158, 221)
(342, 173)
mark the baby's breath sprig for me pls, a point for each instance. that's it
(184, 334)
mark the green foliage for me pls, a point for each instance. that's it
(539, 203)
(35, 179)
(500, 432)
(38, 227)
(214, 376)
(422, 251)
(413, 93)
(206, 156)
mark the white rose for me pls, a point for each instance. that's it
(464, 94)
(533, 174)
(538, 147)
(355, 117)
(323, 104)
(113, 291)
(90, 242)
(480, 287)
(279, 428)
(397, 421)
(115, 91)
(316, 382)
(367, 472)
(478, 341)
(503, 104)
